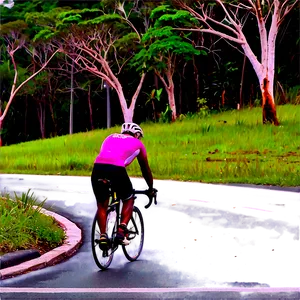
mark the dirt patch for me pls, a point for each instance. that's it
(290, 153)
(214, 152)
(227, 159)
(244, 152)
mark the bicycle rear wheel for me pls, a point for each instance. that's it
(135, 236)
(103, 259)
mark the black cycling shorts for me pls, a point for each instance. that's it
(118, 177)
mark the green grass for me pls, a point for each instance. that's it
(24, 227)
(230, 147)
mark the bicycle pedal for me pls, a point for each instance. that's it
(125, 242)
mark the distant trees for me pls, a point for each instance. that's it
(162, 48)
(99, 43)
(269, 16)
(184, 47)
(14, 36)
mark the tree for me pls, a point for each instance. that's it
(163, 47)
(15, 39)
(99, 43)
(269, 16)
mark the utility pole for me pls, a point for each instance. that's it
(72, 99)
(108, 112)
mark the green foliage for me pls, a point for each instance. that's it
(162, 44)
(127, 41)
(72, 18)
(154, 95)
(90, 10)
(44, 34)
(166, 116)
(44, 25)
(293, 95)
(203, 109)
(23, 226)
(68, 13)
(108, 19)
(15, 26)
(7, 73)
(164, 14)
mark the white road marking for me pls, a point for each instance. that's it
(149, 290)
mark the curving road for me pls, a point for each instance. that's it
(201, 241)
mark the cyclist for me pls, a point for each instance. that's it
(116, 153)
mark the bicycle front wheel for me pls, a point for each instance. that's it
(103, 259)
(135, 236)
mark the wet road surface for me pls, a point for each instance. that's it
(188, 245)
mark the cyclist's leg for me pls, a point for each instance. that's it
(127, 210)
(101, 192)
(101, 215)
(124, 190)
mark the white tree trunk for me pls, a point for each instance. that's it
(172, 104)
(128, 112)
(0, 131)
(169, 87)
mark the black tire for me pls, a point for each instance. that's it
(135, 236)
(101, 260)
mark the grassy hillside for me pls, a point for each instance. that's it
(230, 147)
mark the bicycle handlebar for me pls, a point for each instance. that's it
(146, 193)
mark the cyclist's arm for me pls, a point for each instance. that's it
(147, 174)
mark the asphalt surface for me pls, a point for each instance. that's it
(205, 295)
(202, 241)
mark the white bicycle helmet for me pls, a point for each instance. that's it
(133, 128)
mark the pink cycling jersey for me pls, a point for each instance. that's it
(120, 150)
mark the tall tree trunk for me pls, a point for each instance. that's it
(265, 75)
(156, 81)
(1, 123)
(108, 112)
(1, 127)
(53, 118)
(41, 115)
(169, 86)
(90, 107)
(172, 104)
(180, 95)
(130, 111)
(242, 82)
(25, 116)
(196, 77)
(268, 104)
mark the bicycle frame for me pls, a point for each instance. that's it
(116, 205)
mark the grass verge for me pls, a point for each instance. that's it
(23, 226)
(229, 147)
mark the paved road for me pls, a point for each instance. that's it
(202, 241)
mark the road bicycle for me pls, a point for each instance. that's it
(135, 234)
